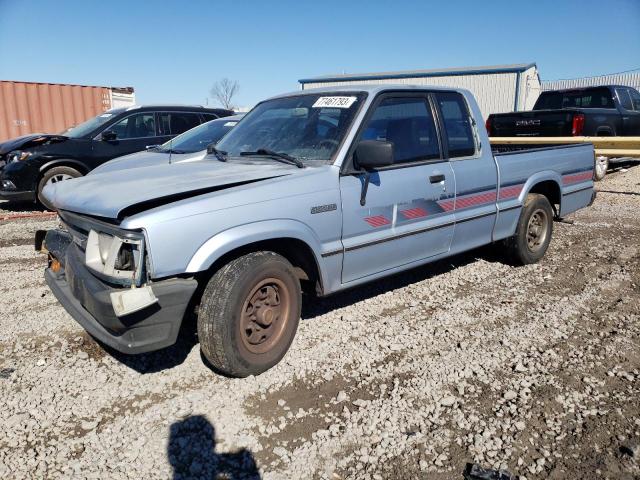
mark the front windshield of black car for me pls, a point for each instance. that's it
(200, 137)
(309, 127)
(90, 125)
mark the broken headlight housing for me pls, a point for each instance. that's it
(118, 258)
(18, 156)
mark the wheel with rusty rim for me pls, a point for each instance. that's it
(533, 232)
(249, 314)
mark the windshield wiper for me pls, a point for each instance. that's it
(280, 156)
(220, 155)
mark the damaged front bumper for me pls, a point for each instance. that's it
(88, 300)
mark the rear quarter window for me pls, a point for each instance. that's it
(457, 124)
(624, 98)
(589, 98)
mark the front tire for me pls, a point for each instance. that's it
(52, 176)
(249, 314)
(534, 230)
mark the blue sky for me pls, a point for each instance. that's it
(173, 51)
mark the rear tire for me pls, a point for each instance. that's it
(534, 230)
(249, 314)
(51, 176)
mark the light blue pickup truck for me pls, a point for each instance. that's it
(314, 192)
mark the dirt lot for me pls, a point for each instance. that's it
(535, 369)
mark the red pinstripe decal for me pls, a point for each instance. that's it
(473, 200)
(446, 205)
(414, 213)
(577, 177)
(510, 192)
(377, 221)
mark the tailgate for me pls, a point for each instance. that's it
(537, 123)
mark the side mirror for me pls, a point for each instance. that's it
(109, 135)
(373, 154)
(149, 147)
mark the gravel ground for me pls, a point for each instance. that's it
(535, 369)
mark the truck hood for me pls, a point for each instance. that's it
(118, 193)
(26, 141)
(148, 158)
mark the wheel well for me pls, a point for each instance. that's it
(63, 163)
(604, 132)
(297, 252)
(551, 190)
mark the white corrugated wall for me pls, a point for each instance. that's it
(529, 89)
(630, 79)
(495, 92)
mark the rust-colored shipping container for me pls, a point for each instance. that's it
(30, 107)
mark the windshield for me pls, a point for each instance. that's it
(90, 125)
(308, 127)
(200, 137)
(591, 98)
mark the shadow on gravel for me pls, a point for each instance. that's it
(159, 360)
(192, 453)
(312, 307)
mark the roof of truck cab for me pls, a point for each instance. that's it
(367, 88)
(587, 87)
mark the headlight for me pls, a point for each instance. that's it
(18, 156)
(117, 258)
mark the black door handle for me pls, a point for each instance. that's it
(436, 178)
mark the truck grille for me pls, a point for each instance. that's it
(78, 235)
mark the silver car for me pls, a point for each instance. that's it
(190, 146)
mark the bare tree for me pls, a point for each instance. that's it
(224, 90)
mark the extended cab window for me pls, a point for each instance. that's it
(175, 123)
(635, 99)
(409, 125)
(624, 98)
(457, 124)
(138, 125)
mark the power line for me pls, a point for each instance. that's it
(595, 76)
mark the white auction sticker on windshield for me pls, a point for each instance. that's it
(334, 102)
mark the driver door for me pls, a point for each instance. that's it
(408, 214)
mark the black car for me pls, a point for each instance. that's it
(33, 161)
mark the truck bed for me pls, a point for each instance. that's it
(566, 170)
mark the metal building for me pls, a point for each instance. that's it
(501, 88)
(629, 79)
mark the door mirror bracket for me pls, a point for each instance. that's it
(371, 155)
(365, 187)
